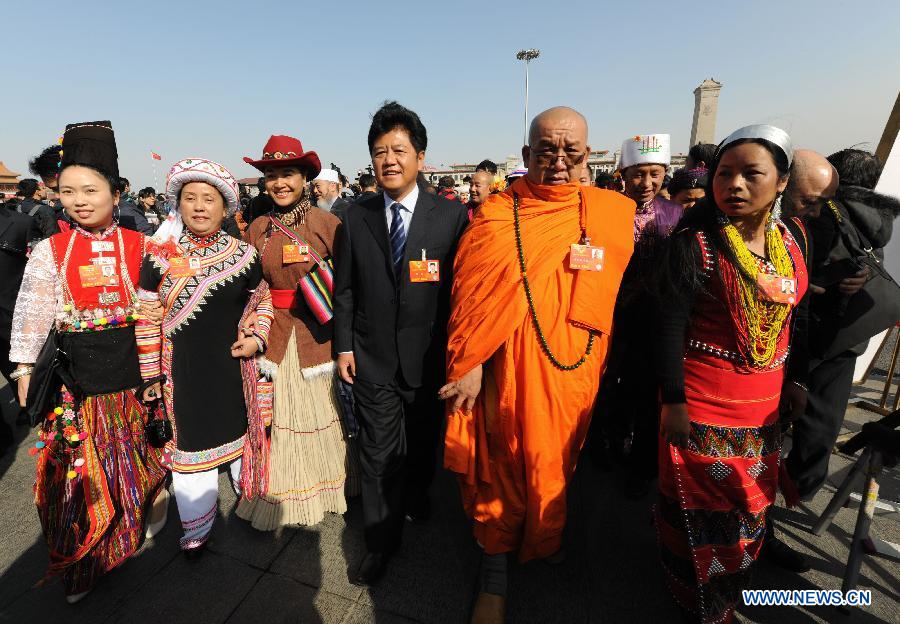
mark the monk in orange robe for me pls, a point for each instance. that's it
(528, 337)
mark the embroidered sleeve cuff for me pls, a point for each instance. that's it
(259, 342)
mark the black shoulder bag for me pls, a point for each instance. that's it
(854, 319)
(51, 372)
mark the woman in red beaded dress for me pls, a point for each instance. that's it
(732, 362)
(96, 474)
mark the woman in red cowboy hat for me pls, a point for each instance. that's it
(308, 463)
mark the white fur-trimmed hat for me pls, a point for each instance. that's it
(203, 170)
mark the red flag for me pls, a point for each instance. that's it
(155, 156)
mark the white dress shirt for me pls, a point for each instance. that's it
(407, 206)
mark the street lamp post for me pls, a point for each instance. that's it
(527, 56)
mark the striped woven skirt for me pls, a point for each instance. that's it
(312, 469)
(714, 494)
(94, 496)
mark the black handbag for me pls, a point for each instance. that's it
(51, 372)
(842, 322)
(158, 429)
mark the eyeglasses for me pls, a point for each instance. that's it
(571, 159)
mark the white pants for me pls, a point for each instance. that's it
(197, 495)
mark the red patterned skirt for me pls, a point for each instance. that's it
(714, 494)
(93, 495)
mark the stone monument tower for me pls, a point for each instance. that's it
(706, 102)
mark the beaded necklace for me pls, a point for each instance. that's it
(545, 347)
(758, 321)
(296, 215)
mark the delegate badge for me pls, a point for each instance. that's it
(424, 270)
(777, 288)
(93, 275)
(291, 254)
(183, 267)
(586, 258)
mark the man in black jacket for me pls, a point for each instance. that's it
(46, 166)
(368, 188)
(261, 204)
(43, 220)
(872, 215)
(393, 275)
(15, 230)
(130, 216)
(834, 284)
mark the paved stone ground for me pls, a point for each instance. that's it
(300, 575)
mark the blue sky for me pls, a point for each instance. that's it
(215, 79)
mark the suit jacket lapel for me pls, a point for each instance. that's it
(416, 239)
(377, 223)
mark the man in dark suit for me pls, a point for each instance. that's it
(390, 330)
(15, 232)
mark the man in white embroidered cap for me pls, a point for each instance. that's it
(628, 395)
(326, 190)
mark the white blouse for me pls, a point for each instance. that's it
(40, 300)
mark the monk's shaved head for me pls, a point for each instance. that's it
(812, 165)
(813, 181)
(558, 115)
(557, 146)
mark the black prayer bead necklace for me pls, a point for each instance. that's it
(534, 319)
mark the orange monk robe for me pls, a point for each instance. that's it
(516, 451)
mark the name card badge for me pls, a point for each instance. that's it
(107, 298)
(586, 258)
(777, 288)
(291, 254)
(183, 267)
(424, 270)
(93, 275)
(97, 246)
(104, 260)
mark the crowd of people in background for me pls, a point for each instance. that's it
(325, 338)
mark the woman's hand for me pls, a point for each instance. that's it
(152, 393)
(674, 424)
(465, 391)
(793, 402)
(245, 347)
(152, 311)
(22, 389)
(250, 324)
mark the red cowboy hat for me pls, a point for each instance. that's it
(284, 151)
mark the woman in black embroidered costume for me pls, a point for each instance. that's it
(208, 284)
